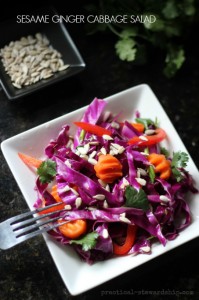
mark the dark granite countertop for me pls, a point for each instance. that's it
(27, 271)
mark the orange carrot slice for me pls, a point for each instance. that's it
(108, 168)
(162, 165)
(138, 126)
(55, 194)
(29, 160)
(73, 229)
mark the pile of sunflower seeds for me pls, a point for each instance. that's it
(31, 59)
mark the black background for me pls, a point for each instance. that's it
(27, 271)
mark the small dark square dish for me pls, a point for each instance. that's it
(59, 39)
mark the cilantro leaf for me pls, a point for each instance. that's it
(189, 8)
(47, 171)
(172, 19)
(177, 174)
(174, 60)
(170, 10)
(136, 199)
(179, 160)
(128, 32)
(125, 49)
(164, 151)
(158, 25)
(88, 242)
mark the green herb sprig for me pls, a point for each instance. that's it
(88, 242)
(47, 171)
(136, 199)
(174, 21)
(179, 161)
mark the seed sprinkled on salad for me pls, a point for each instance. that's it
(120, 188)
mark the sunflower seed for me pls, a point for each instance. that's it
(99, 197)
(116, 148)
(84, 149)
(144, 153)
(29, 57)
(84, 156)
(64, 189)
(102, 183)
(141, 181)
(145, 249)
(111, 152)
(94, 143)
(48, 75)
(35, 74)
(93, 154)
(78, 202)
(140, 172)
(68, 207)
(103, 151)
(64, 67)
(105, 233)
(105, 204)
(74, 191)
(60, 62)
(92, 161)
(92, 208)
(107, 188)
(125, 183)
(164, 198)
(149, 131)
(123, 218)
(18, 86)
(143, 138)
(107, 137)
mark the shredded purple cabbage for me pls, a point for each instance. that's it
(103, 205)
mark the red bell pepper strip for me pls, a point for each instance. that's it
(93, 129)
(130, 239)
(148, 140)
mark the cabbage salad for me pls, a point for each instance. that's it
(119, 190)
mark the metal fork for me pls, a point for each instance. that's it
(25, 226)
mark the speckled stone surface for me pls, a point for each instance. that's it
(27, 272)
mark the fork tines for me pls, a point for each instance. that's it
(22, 227)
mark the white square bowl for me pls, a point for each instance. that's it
(76, 274)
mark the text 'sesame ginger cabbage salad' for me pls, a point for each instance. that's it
(120, 190)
